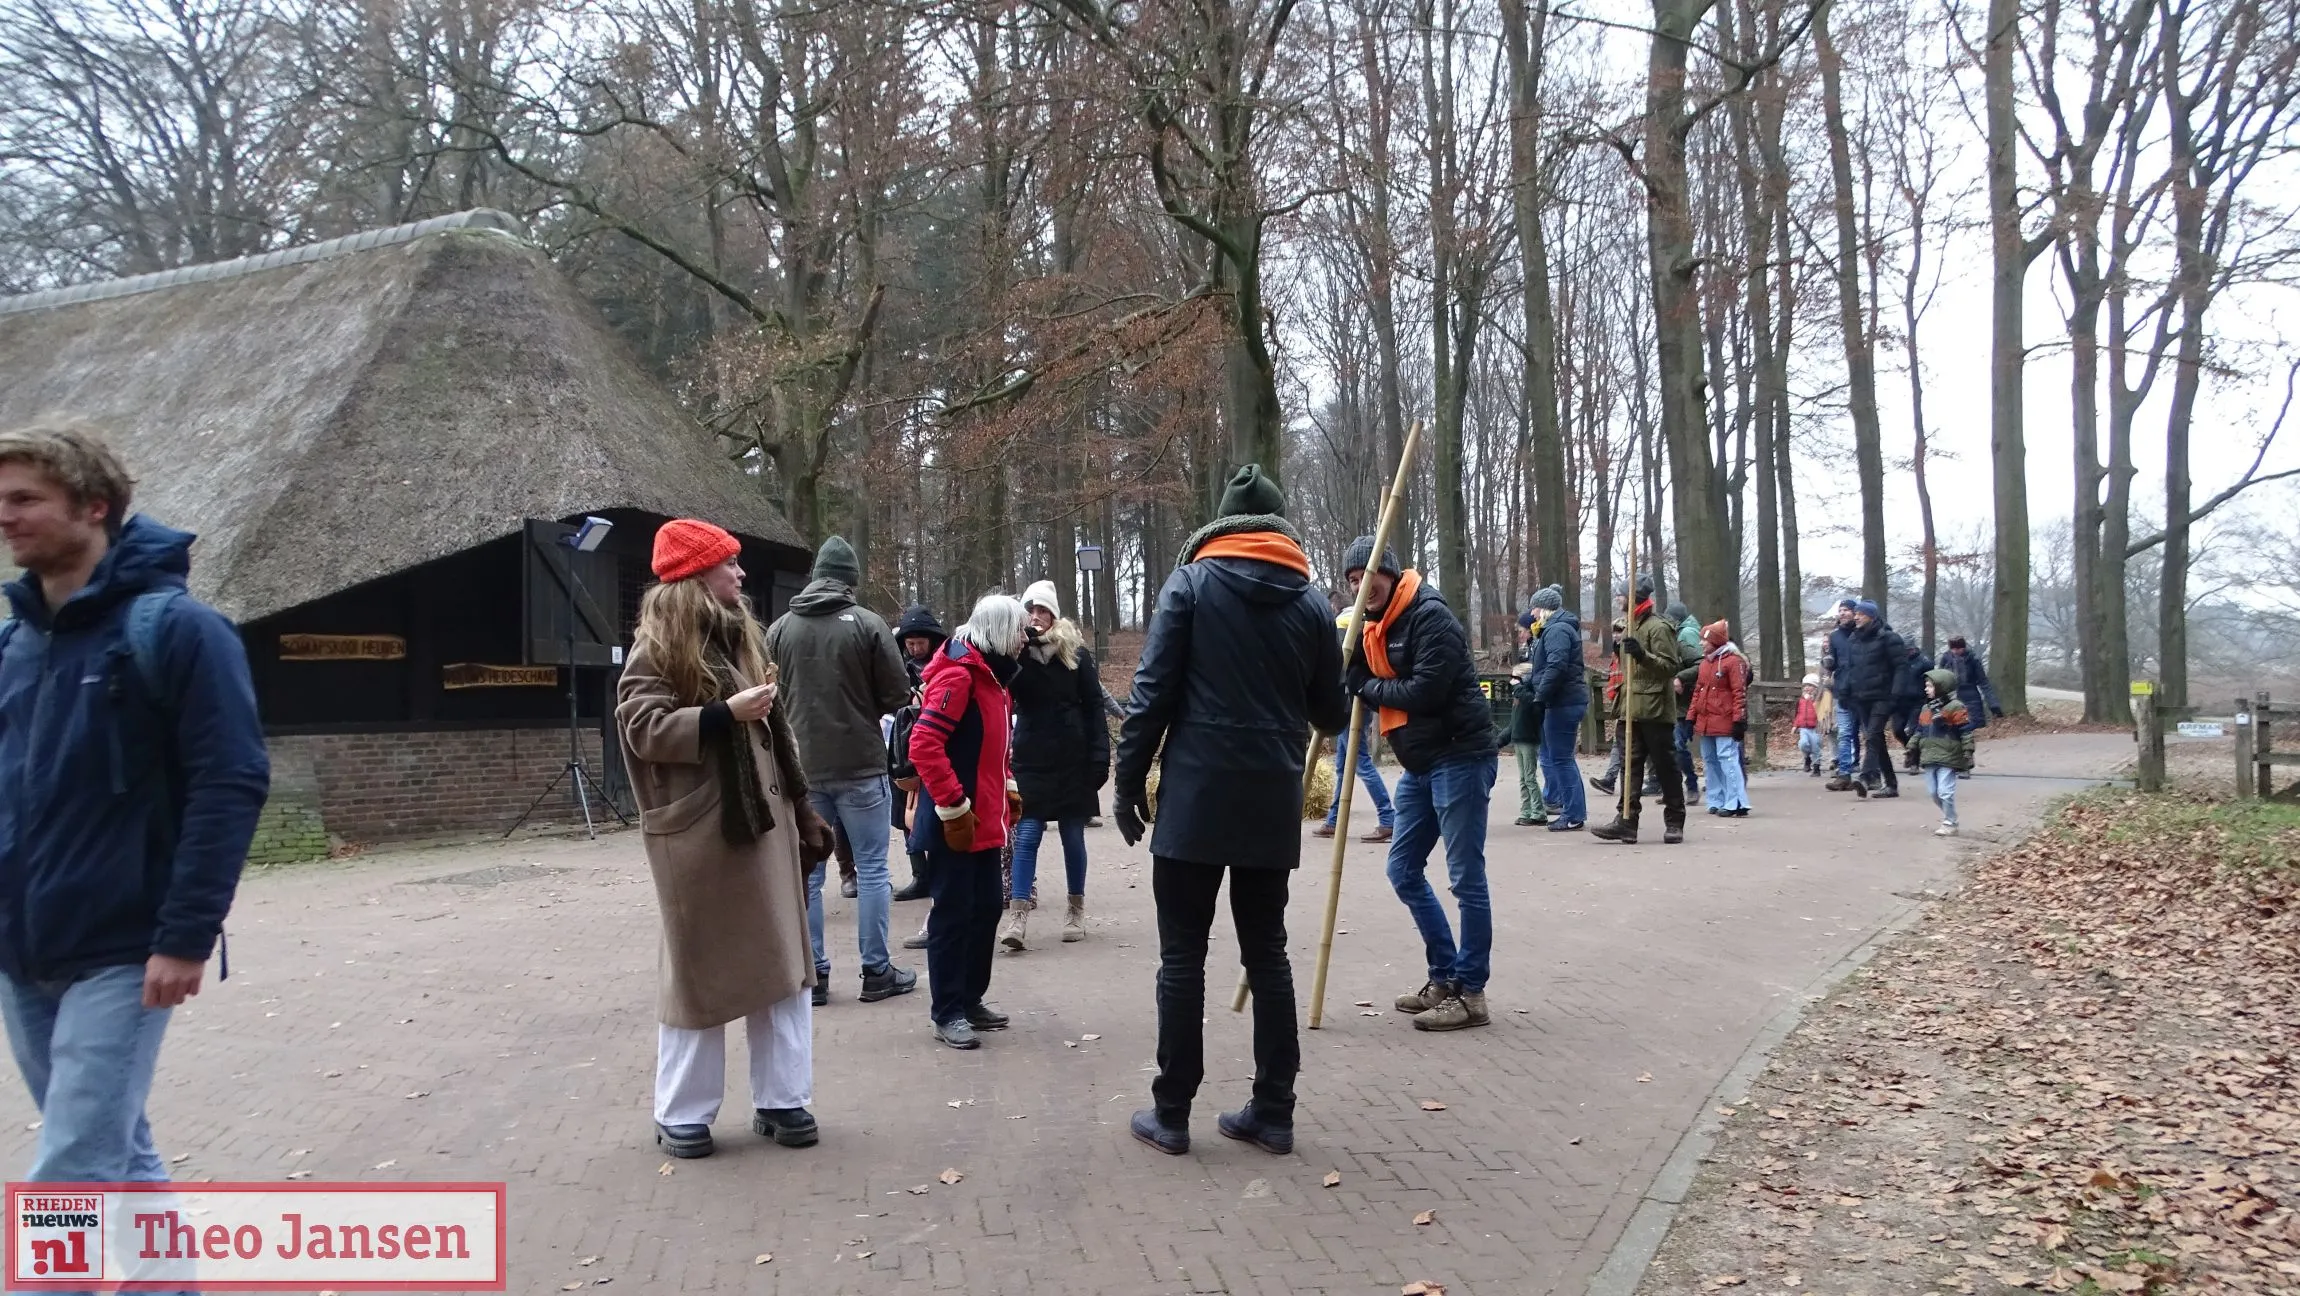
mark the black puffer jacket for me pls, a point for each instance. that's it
(1869, 669)
(1447, 715)
(1061, 745)
(1242, 660)
(918, 620)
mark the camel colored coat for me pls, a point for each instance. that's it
(734, 917)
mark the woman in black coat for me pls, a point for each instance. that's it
(1061, 759)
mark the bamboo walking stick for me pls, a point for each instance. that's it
(1392, 508)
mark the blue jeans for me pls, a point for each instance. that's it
(1450, 801)
(1560, 728)
(1367, 774)
(1028, 834)
(1943, 779)
(1721, 755)
(1685, 765)
(1809, 746)
(863, 808)
(1848, 731)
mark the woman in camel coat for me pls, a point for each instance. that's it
(729, 838)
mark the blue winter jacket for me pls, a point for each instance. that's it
(1558, 679)
(126, 816)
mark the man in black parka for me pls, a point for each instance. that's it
(1241, 662)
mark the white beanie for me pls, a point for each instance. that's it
(1042, 595)
(1811, 678)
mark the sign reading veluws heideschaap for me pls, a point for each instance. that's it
(255, 1237)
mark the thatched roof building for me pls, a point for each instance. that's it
(332, 414)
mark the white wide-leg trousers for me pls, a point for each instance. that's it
(691, 1065)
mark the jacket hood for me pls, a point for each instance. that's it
(145, 555)
(1943, 681)
(919, 619)
(1564, 617)
(1259, 582)
(823, 597)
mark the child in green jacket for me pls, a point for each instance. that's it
(1944, 745)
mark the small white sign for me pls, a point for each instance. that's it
(2201, 729)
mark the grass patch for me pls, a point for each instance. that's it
(2252, 836)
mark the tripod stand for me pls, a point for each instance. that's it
(582, 784)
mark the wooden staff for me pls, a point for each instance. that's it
(1628, 673)
(1392, 508)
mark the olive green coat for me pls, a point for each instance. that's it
(1650, 683)
(734, 917)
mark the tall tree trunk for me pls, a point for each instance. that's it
(1860, 351)
(1553, 521)
(2010, 255)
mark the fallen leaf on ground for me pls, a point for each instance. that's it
(386, 1165)
(1333, 1179)
(1645, 1077)
(763, 1257)
(864, 1255)
(950, 1176)
(573, 1286)
(1426, 1217)
(420, 1093)
(664, 1168)
(179, 1158)
(1727, 1280)
(920, 1190)
(1422, 1288)
(1432, 1104)
(586, 1262)
(1089, 1038)
(1365, 1003)
(299, 1174)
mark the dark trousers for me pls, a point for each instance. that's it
(1656, 750)
(1876, 753)
(961, 929)
(1186, 895)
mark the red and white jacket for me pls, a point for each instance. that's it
(961, 746)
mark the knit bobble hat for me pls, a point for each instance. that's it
(1361, 557)
(685, 547)
(1042, 595)
(1867, 609)
(1549, 598)
(1716, 633)
(1645, 587)
(1250, 494)
(836, 561)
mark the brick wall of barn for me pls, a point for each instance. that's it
(366, 788)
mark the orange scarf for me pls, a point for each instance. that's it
(1376, 642)
(1262, 546)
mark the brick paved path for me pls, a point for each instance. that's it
(486, 1012)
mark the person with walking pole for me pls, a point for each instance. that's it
(1240, 664)
(1649, 707)
(1415, 668)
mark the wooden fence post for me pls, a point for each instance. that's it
(2263, 746)
(2151, 736)
(2242, 718)
(1760, 726)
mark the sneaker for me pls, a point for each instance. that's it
(983, 1017)
(888, 982)
(1945, 830)
(1147, 1128)
(959, 1034)
(1617, 831)
(787, 1126)
(1429, 996)
(1094, 821)
(822, 989)
(1379, 835)
(684, 1141)
(1246, 1126)
(1322, 830)
(1604, 785)
(1565, 825)
(916, 942)
(1458, 1012)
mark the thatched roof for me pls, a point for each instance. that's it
(338, 413)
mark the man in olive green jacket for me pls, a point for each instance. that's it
(1650, 705)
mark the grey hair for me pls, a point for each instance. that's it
(995, 625)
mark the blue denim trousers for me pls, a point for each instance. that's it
(1848, 733)
(1721, 756)
(1560, 729)
(1943, 785)
(1450, 801)
(864, 808)
(1368, 773)
(1027, 836)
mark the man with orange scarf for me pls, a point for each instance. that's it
(1241, 662)
(1414, 667)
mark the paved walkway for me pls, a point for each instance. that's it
(486, 1013)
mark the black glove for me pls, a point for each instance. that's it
(1998, 712)
(1354, 678)
(1634, 646)
(1133, 814)
(1740, 730)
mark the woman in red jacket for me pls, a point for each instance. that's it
(960, 746)
(1719, 713)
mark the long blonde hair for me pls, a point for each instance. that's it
(681, 626)
(1065, 641)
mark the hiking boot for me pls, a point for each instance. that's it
(684, 1141)
(1247, 1126)
(1524, 822)
(822, 991)
(888, 982)
(1322, 830)
(787, 1126)
(1013, 934)
(1618, 831)
(1604, 785)
(1838, 784)
(1861, 788)
(1429, 996)
(1945, 830)
(983, 1017)
(959, 1034)
(1458, 1012)
(916, 942)
(917, 888)
(1886, 794)
(1379, 835)
(1673, 834)
(1147, 1128)
(1074, 920)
